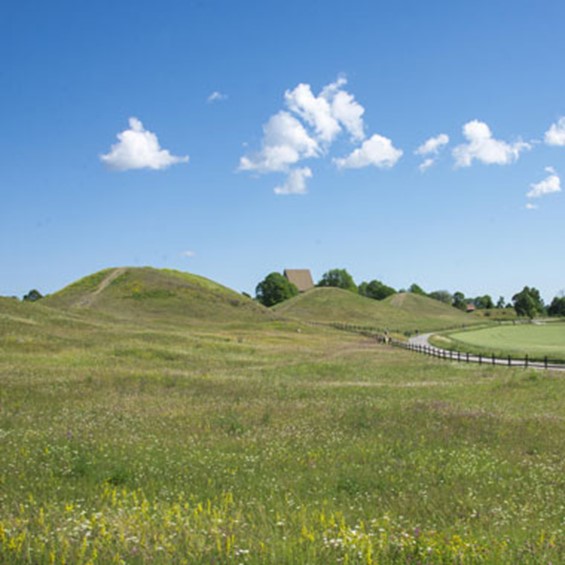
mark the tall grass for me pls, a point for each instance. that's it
(267, 443)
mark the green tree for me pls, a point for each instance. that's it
(33, 296)
(442, 295)
(483, 302)
(557, 306)
(376, 290)
(501, 303)
(338, 278)
(528, 302)
(275, 288)
(459, 301)
(415, 289)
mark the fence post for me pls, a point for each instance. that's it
(493, 359)
(526, 361)
(509, 361)
(545, 361)
(467, 356)
(480, 359)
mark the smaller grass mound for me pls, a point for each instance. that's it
(398, 313)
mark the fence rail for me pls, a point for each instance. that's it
(383, 336)
(464, 357)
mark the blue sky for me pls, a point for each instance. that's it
(257, 136)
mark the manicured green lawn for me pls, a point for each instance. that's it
(536, 340)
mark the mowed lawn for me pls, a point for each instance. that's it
(269, 442)
(536, 340)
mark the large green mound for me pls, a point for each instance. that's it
(129, 292)
(400, 312)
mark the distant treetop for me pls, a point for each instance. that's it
(338, 278)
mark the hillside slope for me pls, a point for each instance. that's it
(400, 312)
(129, 292)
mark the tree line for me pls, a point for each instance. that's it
(276, 288)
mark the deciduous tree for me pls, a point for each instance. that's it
(339, 278)
(275, 288)
(416, 289)
(33, 296)
(557, 306)
(442, 295)
(528, 302)
(376, 290)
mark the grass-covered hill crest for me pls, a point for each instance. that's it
(401, 312)
(162, 293)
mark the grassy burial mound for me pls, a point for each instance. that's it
(430, 314)
(401, 312)
(129, 292)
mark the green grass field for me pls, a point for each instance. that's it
(125, 439)
(535, 340)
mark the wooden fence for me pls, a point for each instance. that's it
(464, 357)
(383, 336)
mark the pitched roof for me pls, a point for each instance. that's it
(301, 278)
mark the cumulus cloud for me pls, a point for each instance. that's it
(555, 135)
(329, 112)
(483, 147)
(348, 112)
(188, 254)
(431, 147)
(549, 185)
(285, 142)
(377, 151)
(295, 182)
(216, 97)
(530, 206)
(307, 127)
(316, 111)
(138, 148)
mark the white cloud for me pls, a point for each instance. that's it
(295, 182)
(349, 113)
(377, 151)
(216, 97)
(483, 147)
(555, 135)
(426, 164)
(188, 254)
(549, 185)
(530, 206)
(316, 111)
(329, 112)
(285, 142)
(138, 148)
(431, 147)
(307, 128)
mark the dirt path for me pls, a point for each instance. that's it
(112, 276)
